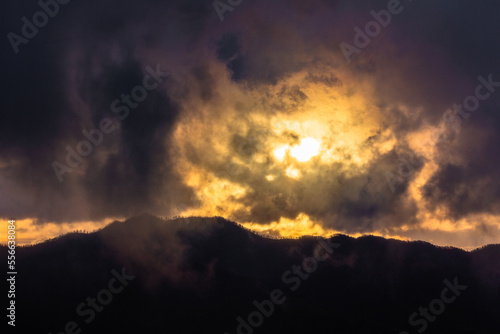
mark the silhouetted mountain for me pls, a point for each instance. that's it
(198, 275)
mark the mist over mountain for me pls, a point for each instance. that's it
(193, 275)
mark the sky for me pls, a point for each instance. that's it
(289, 117)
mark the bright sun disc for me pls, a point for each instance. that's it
(308, 148)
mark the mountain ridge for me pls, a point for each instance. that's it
(179, 221)
(213, 270)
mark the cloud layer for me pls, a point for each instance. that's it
(395, 157)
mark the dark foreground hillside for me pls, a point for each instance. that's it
(208, 275)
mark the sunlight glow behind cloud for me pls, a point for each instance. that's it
(308, 148)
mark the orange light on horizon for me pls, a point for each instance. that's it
(28, 232)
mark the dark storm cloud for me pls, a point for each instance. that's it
(340, 201)
(129, 179)
(229, 51)
(228, 47)
(471, 187)
(47, 102)
(446, 46)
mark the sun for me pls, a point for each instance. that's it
(308, 148)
